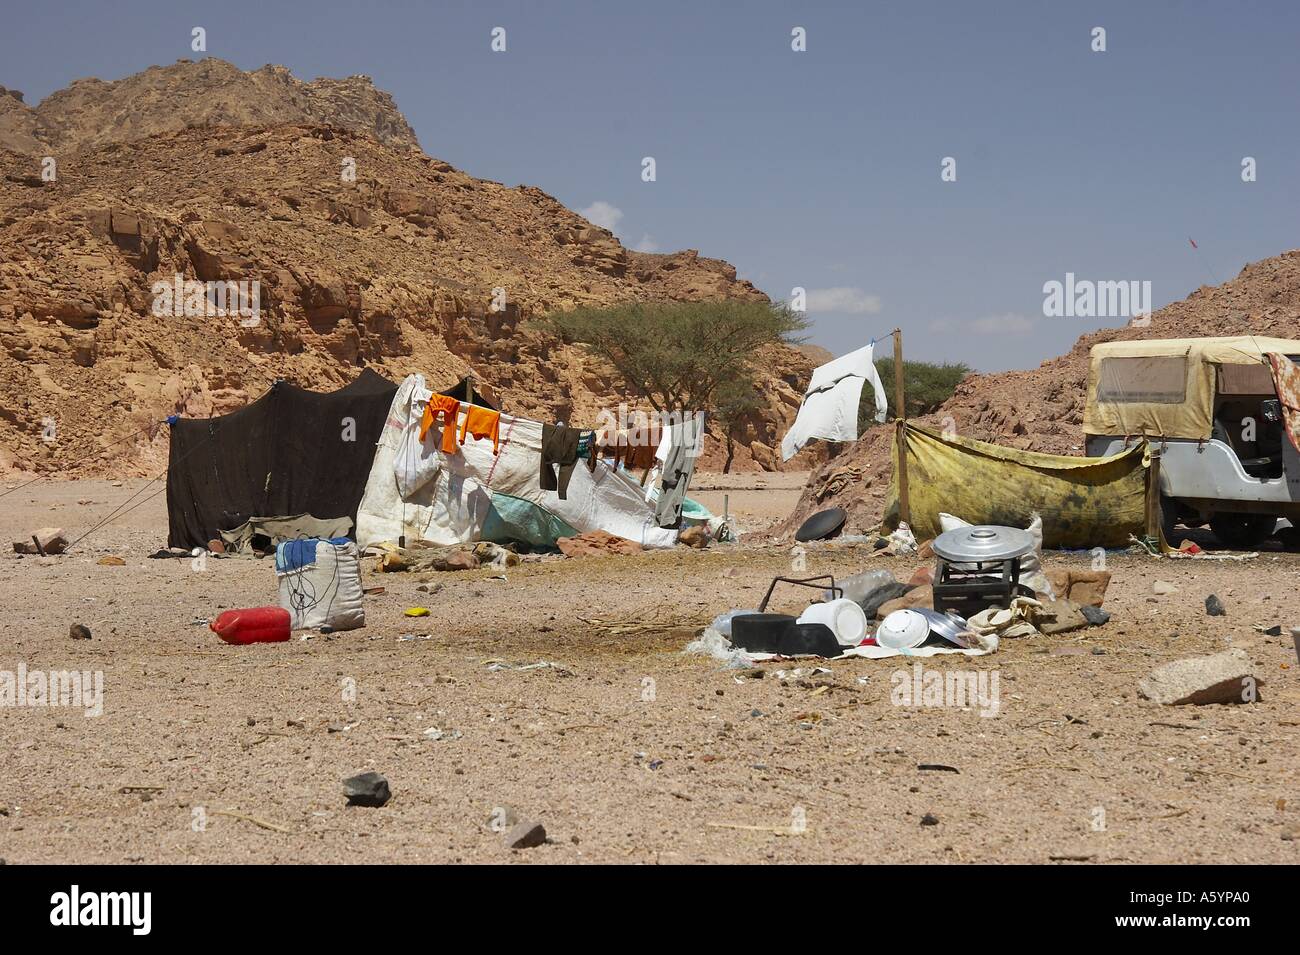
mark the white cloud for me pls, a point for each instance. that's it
(602, 213)
(849, 301)
(647, 243)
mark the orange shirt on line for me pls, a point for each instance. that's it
(441, 406)
(482, 423)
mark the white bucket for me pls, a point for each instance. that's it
(843, 616)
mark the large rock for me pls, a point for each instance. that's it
(367, 789)
(1226, 677)
(53, 541)
(596, 542)
(916, 597)
(1087, 588)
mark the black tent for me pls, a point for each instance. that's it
(465, 391)
(291, 451)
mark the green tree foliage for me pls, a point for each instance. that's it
(926, 387)
(678, 354)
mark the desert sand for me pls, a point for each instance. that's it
(626, 749)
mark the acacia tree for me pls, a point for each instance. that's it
(678, 354)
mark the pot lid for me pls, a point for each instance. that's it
(983, 542)
(821, 525)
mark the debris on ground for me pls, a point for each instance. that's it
(43, 541)
(1226, 677)
(111, 561)
(596, 542)
(1162, 587)
(525, 835)
(367, 789)
(1214, 606)
(1094, 615)
(1083, 587)
(79, 631)
(696, 536)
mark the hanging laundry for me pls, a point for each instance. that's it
(482, 423)
(686, 442)
(830, 406)
(560, 446)
(587, 449)
(440, 406)
(631, 449)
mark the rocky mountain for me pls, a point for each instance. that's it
(364, 251)
(210, 93)
(1042, 409)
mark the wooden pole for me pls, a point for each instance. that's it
(900, 436)
(1153, 499)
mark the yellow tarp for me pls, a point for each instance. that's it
(1084, 502)
(1131, 383)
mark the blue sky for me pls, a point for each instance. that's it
(817, 169)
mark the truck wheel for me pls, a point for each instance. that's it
(1242, 531)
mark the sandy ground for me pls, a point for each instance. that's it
(628, 750)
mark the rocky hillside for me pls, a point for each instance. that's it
(1042, 409)
(210, 93)
(366, 251)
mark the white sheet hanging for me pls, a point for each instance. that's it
(830, 405)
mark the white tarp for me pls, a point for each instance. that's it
(448, 496)
(830, 405)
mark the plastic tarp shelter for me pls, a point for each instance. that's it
(474, 494)
(1084, 502)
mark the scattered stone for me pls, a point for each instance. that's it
(1062, 616)
(52, 541)
(1162, 587)
(1274, 631)
(1226, 677)
(916, 597)
(526, 835)
(880, 544)
(596, 542)
(367, 789)
(1094, 615)
(929, 819)
(922, 577)
(79, 631)
(457, 560)
(696, 536)
(1214, 606)
(1087, 588)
